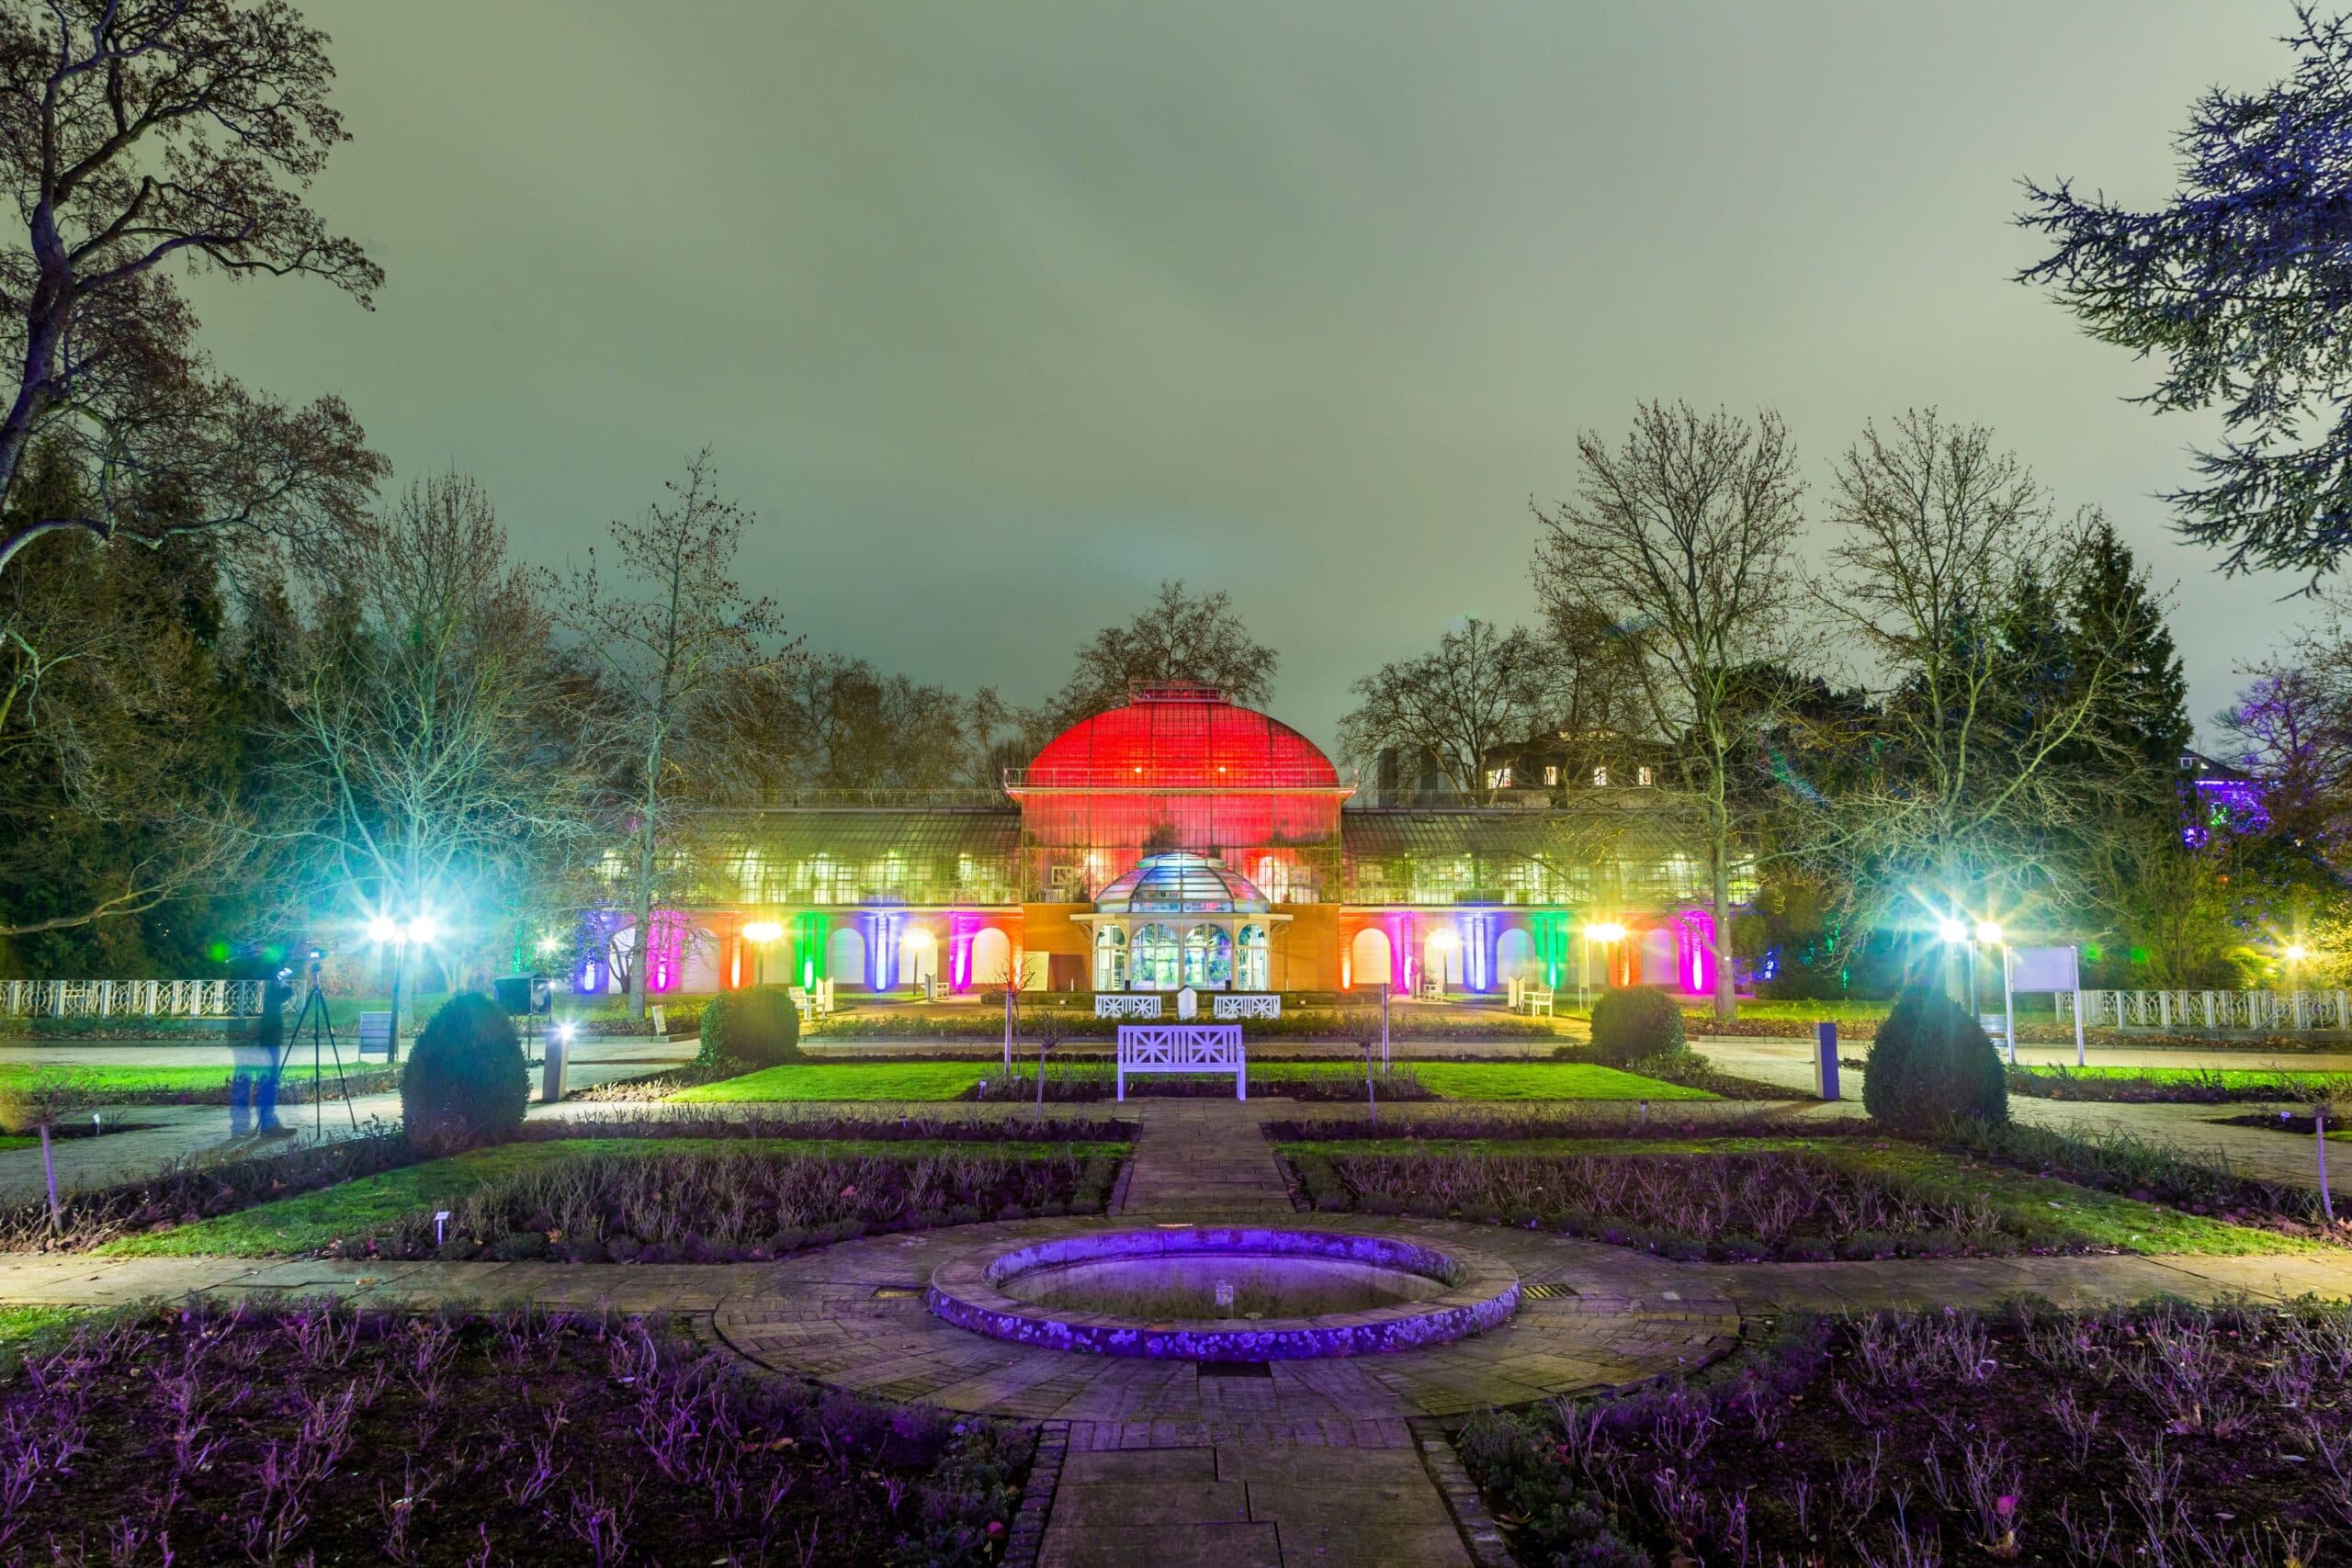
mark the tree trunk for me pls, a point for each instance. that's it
(1726, 995)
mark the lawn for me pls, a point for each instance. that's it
(70, 1085)
(2041, 1213)
(953, 1080)
(310, 1221)
(2225, 1077)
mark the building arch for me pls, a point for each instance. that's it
(918, 956)
(845, 957)
(1658, 950)
(1154, 958)
(992, 957)
(1370, 961)
(1441, 957)
(1252, 958)
(1515, 957)
(1209, 958)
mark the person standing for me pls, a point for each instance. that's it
(259, 1051)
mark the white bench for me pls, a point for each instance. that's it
(1535, 1000)
(1126, 1004)
(1184, 1048)
(1246, 1004)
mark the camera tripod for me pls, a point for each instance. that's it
(314, 1016)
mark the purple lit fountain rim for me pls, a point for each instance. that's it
(1481, 1293)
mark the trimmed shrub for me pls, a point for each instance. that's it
(1932, 1065)
(760, 1026)
(1634, 1022)
(464, 1082)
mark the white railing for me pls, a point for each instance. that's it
(2210, 1011)
(130, 998)
(1184, 1048)
(1126, 1004)
(1246, 1004)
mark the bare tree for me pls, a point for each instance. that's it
(1483, 688)
(1684, 536)
(1976, 793)
(137, 137)
(679, 653)
(425, 707)
(1179, 636)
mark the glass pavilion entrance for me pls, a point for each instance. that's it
(1181, 919)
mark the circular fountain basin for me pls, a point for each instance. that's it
(1220, 1293)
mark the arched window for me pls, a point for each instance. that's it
(1155, 959)
(1249, 965)
(1110, 958)
(1209, 958)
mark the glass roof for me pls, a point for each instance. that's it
(1180, 882)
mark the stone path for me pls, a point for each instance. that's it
(1202, 1159)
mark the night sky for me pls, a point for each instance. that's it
(1000, 313)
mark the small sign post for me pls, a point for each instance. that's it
(1824, 1059)
(2051, 969)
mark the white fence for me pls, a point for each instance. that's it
(2267, 1012)
(130, 998)
(1246, 1004)
(1126, 1004)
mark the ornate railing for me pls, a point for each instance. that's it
(130, 998)
(2211, 1012)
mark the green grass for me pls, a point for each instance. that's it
(1544, 1080)
(2080, 1216)
(302, 1223)
(2228, 1078)
(845, 1081)
(19, 1324)
(951, 1080)
(101, 1080)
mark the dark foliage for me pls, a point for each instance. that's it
(1615, 1122)
(760, 1026)
(2124, 1162)
(1931, 1064)
(464, 1082)
(1082, 1080)
(2165, 1433)
(1727, 1207)
(220, 1435)
(2202, 1087)
(2238, 286)
(1632, 1022)
(726, 1207)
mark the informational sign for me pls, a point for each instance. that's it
(2044, 969)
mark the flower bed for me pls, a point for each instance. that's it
(1784, 1199)
(1349, 1024)
(213, 1434)
(719, 1207)
(2164, 1434)
(192, 1192)
(1070, 1082)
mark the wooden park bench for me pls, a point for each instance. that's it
(1184, 1048)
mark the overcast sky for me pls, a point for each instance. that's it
(999, 313)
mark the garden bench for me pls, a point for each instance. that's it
(1537, 998)
(1182, 1048)
(1126, 1004)
(1246, 1004)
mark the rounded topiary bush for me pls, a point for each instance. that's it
(760, 1026)
(1932, 1064)
(464, 1082)
(1634, 1022)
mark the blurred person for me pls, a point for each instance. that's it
(257, 1047)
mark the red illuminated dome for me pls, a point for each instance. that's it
(1179, 738)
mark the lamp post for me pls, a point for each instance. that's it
(760, 933)
(419, 929)
(1608, 933)
(1954, 933)
(1989, 933)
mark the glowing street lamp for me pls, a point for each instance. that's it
(1605, 932)
(2297, 952)
(760, 933)
(420, 928)
(1951, 931)
(1988, 932)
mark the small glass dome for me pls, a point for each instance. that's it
(1180, 883)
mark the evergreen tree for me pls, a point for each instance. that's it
(2141, 712)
